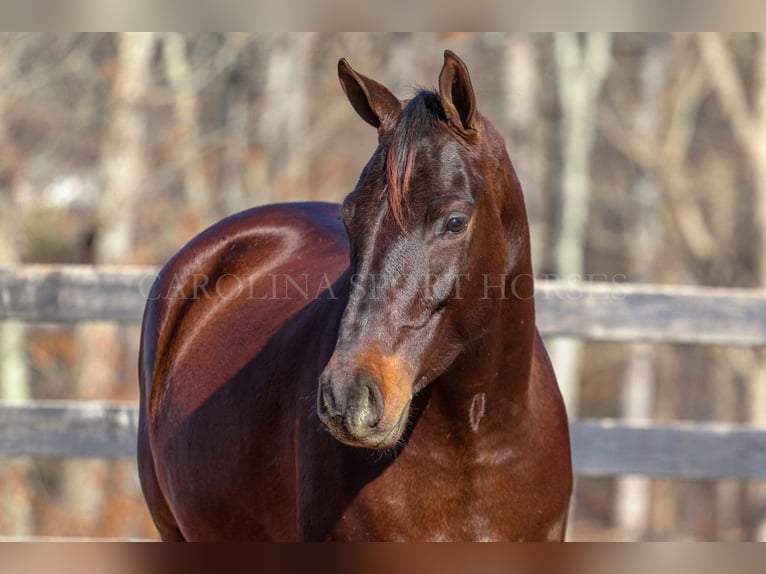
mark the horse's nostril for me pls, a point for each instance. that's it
(369, 409)
(371, 404)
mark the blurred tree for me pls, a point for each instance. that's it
(659, 141)
(123, 151)
(237, 118)
(527, 141)
(633, 494)
(284, 122)
(124, 169)
(748, 123)
(178, 69)
(582, 67)
(15, 505)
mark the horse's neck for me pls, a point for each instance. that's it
(488, 383)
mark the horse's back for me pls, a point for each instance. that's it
(215, 362)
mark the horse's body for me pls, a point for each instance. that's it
(420, 356)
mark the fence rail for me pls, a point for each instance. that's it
(602, 447)
(596, 311)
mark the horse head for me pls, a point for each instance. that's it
(438, 244)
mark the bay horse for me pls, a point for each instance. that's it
(370, 371)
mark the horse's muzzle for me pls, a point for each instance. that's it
(353, 410)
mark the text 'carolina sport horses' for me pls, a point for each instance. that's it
(402, 322)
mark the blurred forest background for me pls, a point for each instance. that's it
(642, 156)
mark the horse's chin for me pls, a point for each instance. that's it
(382, 438)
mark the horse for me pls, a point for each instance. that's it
(368, 371)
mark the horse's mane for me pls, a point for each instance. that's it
(418, 118)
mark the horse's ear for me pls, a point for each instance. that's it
(371, 100)
(456, 92)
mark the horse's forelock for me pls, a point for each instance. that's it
(419, 117)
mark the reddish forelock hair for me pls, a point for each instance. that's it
(421, 115)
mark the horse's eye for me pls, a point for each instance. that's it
(456, 224)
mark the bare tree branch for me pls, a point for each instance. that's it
(728, 84)
(668, 164)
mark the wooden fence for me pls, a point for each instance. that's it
(595, 311)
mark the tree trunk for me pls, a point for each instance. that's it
(123, 165)
(581, 73)
(633, 494)
(235, 181)
(749, 128)
(187, 115)
(757, 400)
(522, 89)
(284, 127)
(16, 512)
(123, 160)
